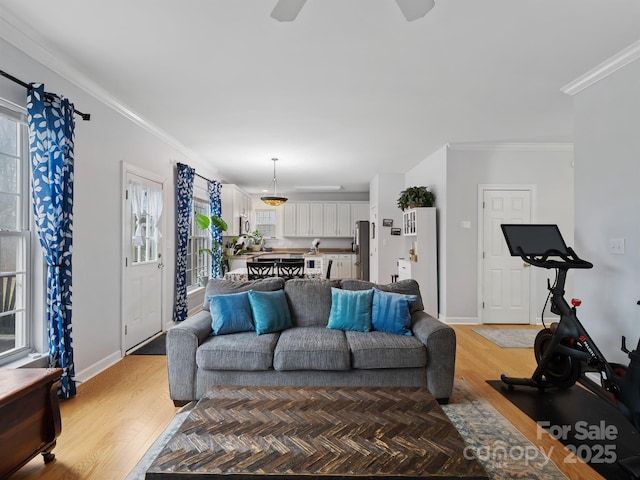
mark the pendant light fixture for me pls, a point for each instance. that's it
(275, 199)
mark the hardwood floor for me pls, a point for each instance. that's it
(118, 414)
(110, 424)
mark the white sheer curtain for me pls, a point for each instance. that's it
(155, 211)
(137, 193)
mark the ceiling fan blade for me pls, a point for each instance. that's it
(287, 10)
(415, 9)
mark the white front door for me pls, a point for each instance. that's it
(505, 279)
(142, 279)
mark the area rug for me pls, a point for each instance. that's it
(157, 346)
(509, 337)
(503, 451)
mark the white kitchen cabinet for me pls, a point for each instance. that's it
(236, 209)
(330, 218)
(342, 266)
(302, 220)
(343, 220)
(337, 220)
(316, 220)
(289, 213)
(323, 219)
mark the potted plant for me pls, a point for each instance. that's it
(412, 197)
(257, 238)
(205, 223)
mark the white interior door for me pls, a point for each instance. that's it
(505, 279)
(142, 278)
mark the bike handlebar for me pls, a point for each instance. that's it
(569, 259)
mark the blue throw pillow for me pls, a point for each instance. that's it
(391, 312)
(230, 313)
(270, 311)
(350, 310)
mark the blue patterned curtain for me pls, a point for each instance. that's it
(184, 211)
(215, 208)
(51, 137)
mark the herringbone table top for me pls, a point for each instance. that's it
(317, 432)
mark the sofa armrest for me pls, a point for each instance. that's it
(440, 340)
(182, 342)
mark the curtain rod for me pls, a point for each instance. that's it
(196, 174)
(85, 116)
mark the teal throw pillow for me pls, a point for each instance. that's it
(350, 310)
(230, 313)
(391, 312)
(270, 311)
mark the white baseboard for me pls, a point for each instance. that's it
(98, 367)
(460, 320)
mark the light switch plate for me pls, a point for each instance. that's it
(616, 246)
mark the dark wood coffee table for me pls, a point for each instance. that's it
(316, 432)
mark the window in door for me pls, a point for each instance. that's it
(147, 209)
(15, 235)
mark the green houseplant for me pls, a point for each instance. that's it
(256, 236)
(412, 197)
(205, 223)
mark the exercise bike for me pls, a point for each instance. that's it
(565, 351)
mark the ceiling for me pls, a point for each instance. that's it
(348, 90)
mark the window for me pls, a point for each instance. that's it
(14, 233)
(266, 223)
(144, 222)
(198, 262)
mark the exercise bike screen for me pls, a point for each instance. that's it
(533, 239)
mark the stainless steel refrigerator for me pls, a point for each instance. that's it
(361, 248)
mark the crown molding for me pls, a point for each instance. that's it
(22, 37)
(513, 147)
(606, 68)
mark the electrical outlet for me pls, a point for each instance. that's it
(616, 246)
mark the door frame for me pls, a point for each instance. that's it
(125, 170)
(482, 188)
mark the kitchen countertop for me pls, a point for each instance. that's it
(296, 251)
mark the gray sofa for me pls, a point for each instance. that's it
(309, 353)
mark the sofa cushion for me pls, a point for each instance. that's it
(385, 350)
(237, 351)
(230, 313)
(218, 286)
(311, 348)
(350, 310)
(406, 287)
(391, 312)
(270, 311)
(309, 301)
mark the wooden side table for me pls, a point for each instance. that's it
(29, 416)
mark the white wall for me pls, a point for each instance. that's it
(607, 174)
(455, 174)
(101, 145)
(384, 190)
